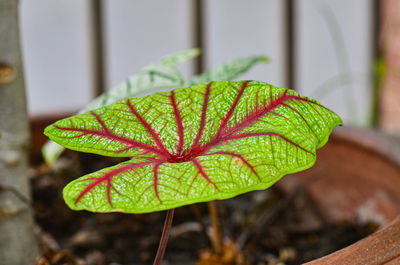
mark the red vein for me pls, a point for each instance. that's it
(109, 192)
(147, 126)
(301, 116)
(120, 139)
(231, 110)
(272, 148)
(247, 135)
(203, 115)
(238, 156)
(155, 170)
(100, 120)
(107, 177)
(203, 173)
(256, 115)
(289, 121)
(178, 122)
(307, 101)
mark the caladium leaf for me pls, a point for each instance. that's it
(161, 75)
(228, 71)
(193, 144)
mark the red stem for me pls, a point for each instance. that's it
(164, 237)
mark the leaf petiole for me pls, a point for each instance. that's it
(216, 235)
(164, 237)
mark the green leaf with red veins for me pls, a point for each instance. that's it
(193, 144)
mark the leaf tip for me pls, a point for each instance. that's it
(69, 198)
(51, 150)
(264, 59)
(197, 51)
(47, 130)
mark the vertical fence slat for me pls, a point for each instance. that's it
(97, 46)
(389, 108)
(197, 9)
(376, 53)
(289, 20)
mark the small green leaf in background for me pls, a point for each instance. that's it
(194, 144)
(228, 71)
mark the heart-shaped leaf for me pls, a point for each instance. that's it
(194, 144)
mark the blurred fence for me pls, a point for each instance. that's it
(75, 49)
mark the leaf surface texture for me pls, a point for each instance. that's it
(193, 144)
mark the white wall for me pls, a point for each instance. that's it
(334, 54)
(237, 28)
(140, 32)
(55, 45)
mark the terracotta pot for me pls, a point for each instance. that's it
(382, 247)
(357, 178)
